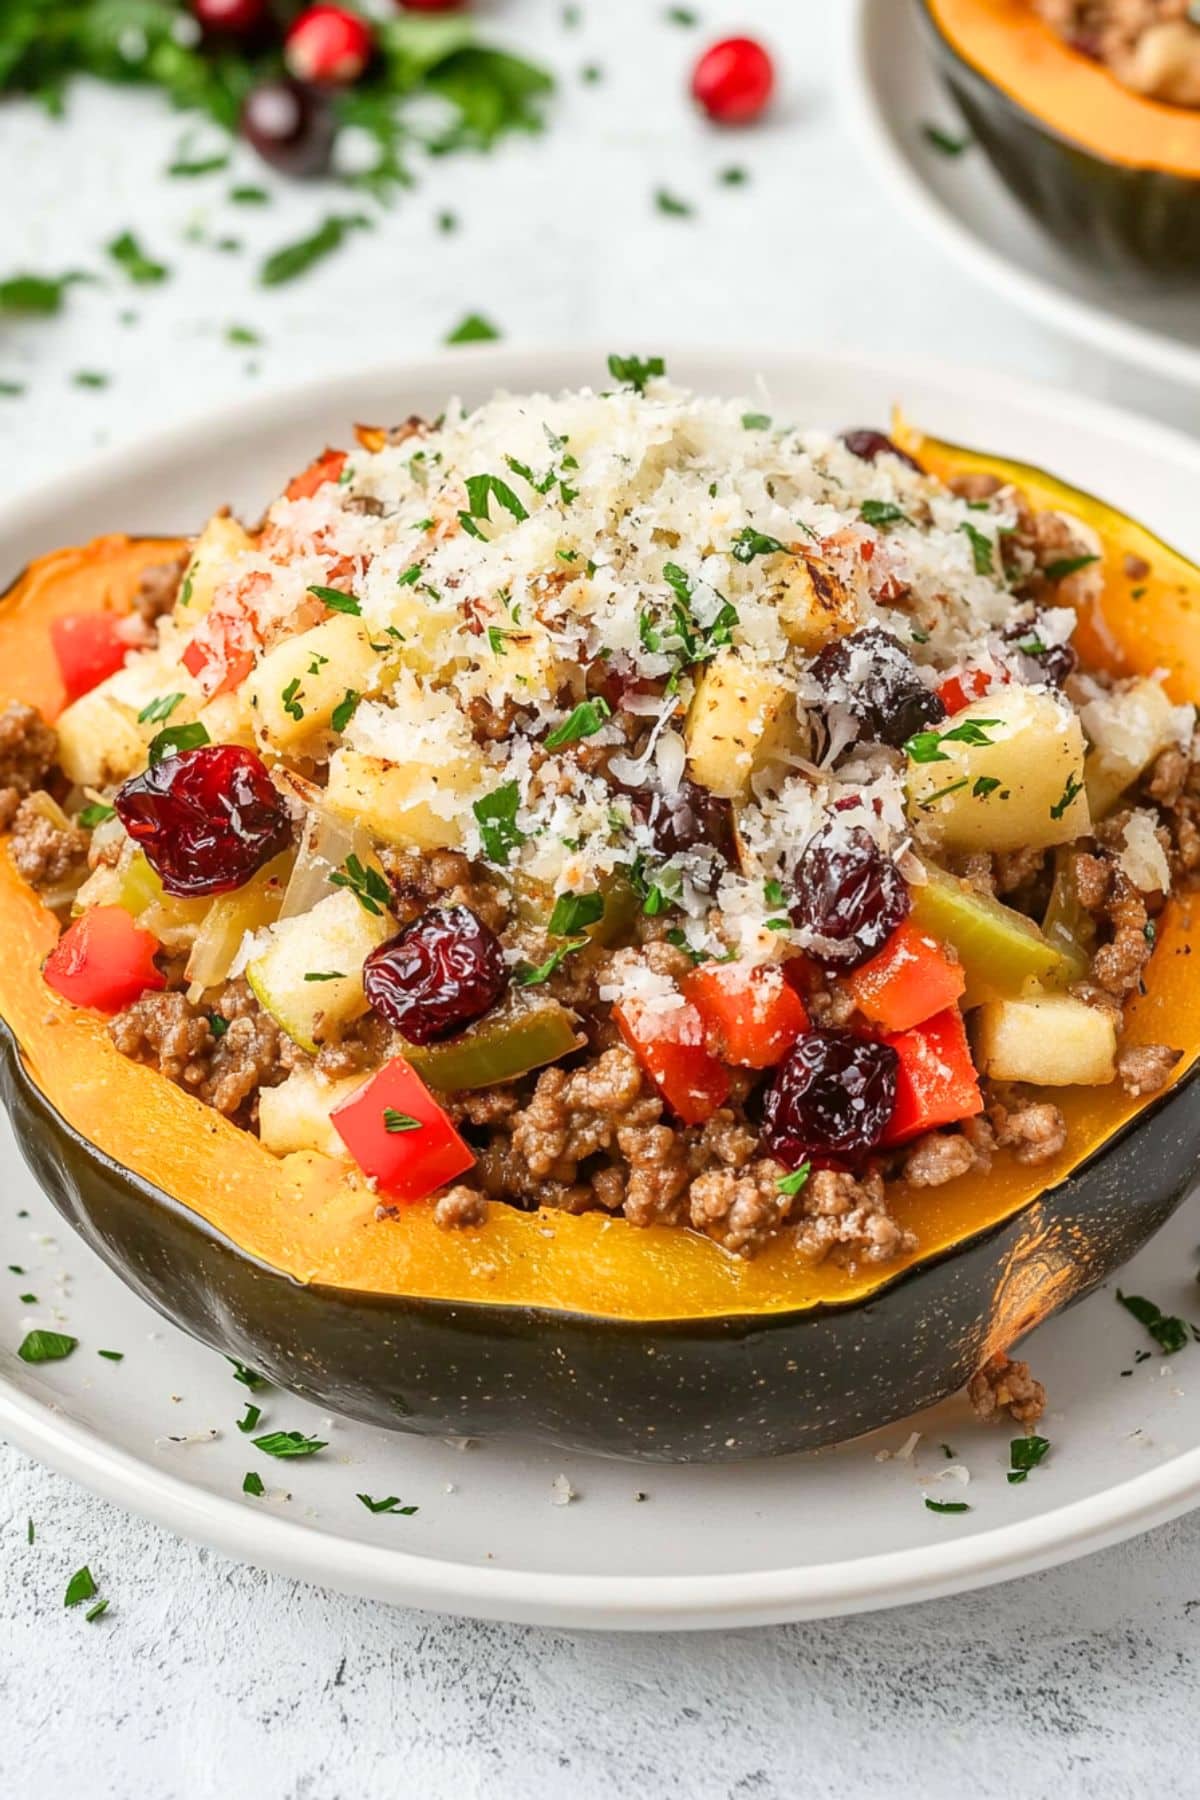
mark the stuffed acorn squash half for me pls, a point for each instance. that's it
(606, 918)
(1090, 112)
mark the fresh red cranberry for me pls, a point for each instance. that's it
(290, 126)
(850, 895)
(206, 819)
(328, 46)
(689, 817)
(832, 1097)
(872, 675)
(733, 80)
(436, 976)
(236, 18)
(1036, 659)
(870, 445)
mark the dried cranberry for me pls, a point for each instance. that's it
(686, 818)
(833, 1096)
(870, 445)
(849, 894)
(872, 675)
(206, 819)
(436, 976)
(1037, 660)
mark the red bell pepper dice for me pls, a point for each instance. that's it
(670, 1047)
(327, 467)
(958, 691)
(396, 1131)
(104, 960)
(910, 979)
(89, 647)
(936, 1082)
(753, 1014)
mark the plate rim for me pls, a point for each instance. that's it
(1142, 346)
(578, 1600)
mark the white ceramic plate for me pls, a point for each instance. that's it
(892, 89)
(639, 1546)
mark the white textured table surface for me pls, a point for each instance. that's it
(212, 1680)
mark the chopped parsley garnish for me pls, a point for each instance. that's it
(46, 1346)
(128, 255)
(175, 738)
(584, 722)
(756, 421)
(189, 166)
(324, 975)
(882, 512)
(481, 491)
(249, 1418)
(291, 260)
(681, 15)
(636, 371)
(343, 712)
(410, 576)
(112, 1355)
(792, 1184)
(734, 176)
(248, 1377)
(96, 814)
(217, 1025)
(1073, 788)
(946, 1506)
(37, 294)
(241, 334)
(365, 883)
(289, 1443)
(474, 329)
(926, 746)
(249, 195)
(672, 205)
(982, 548)
(942, 141)
(986, 784)
(575, 912)
(253, 1484)
(391, 1504)
(95, 1612)
(90, 378)
(1169, 1333)
(446, 223)
(155, 711)
(530, 977)
(496, 816)
(81, 1586)
(664, 892)
(28, 1299)
(396, 1122)
(1067, 565)
(337, 601)
(773, 892)
(750, 543)
(291, 704)
(1026, 1453)
(932, 799)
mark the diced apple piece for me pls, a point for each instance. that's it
(99, 741)
(309, 977)
(1127, 727)
(1052, 1040)
(229, 720)
(1006, 772)
(813, 602)
(742, 718)
(298, 686)
(218, 544)
(408, 804)
(295, 1115)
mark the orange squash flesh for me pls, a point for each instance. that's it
(314, 1220)
(1005, 42)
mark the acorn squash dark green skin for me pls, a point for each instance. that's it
(1121, 218)
(707, 1390)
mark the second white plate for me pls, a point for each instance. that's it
(892, 91)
